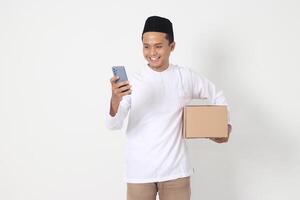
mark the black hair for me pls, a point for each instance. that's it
(168, 37)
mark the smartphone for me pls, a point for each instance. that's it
(120, 72)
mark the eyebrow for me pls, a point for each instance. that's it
(160, 43)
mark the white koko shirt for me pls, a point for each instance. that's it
(155, 149)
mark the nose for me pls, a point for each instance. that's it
(152, 51)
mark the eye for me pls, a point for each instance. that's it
(146, 47)
(159, 46)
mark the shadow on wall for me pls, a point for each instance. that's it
(256, 147)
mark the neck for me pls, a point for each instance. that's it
(159, 69)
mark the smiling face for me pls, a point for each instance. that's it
(157, 50)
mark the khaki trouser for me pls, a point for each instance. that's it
(178, 189)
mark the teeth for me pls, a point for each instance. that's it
(154, 58)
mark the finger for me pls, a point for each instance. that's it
(121, 90)
(218, 140)
(229, 128)
(121, 94)
(221, 140)
(125, 88)
(116, 85)
(128, 92)
(120, 84)
(114, 79)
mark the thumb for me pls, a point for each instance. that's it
(114, 79)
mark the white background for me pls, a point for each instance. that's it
(55, 66)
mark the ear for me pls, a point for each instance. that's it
(172, 45)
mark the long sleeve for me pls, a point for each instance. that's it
(202, 88)
(205, 89)
(116, 122)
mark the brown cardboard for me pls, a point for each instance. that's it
(203, 121)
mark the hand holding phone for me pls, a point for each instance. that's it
(120, 86)
(120, 72)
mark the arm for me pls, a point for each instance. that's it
(204, 89)
(119, 104)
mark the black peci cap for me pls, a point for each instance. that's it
(159, 24)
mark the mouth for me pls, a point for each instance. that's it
(154, 59)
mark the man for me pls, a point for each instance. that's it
(157, 160)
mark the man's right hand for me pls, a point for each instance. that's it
(118, 91)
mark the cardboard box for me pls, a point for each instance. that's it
(202, 121)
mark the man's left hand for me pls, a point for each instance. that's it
(222, 140)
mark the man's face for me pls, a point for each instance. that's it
(156, 49)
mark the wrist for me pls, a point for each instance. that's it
(115, 100)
